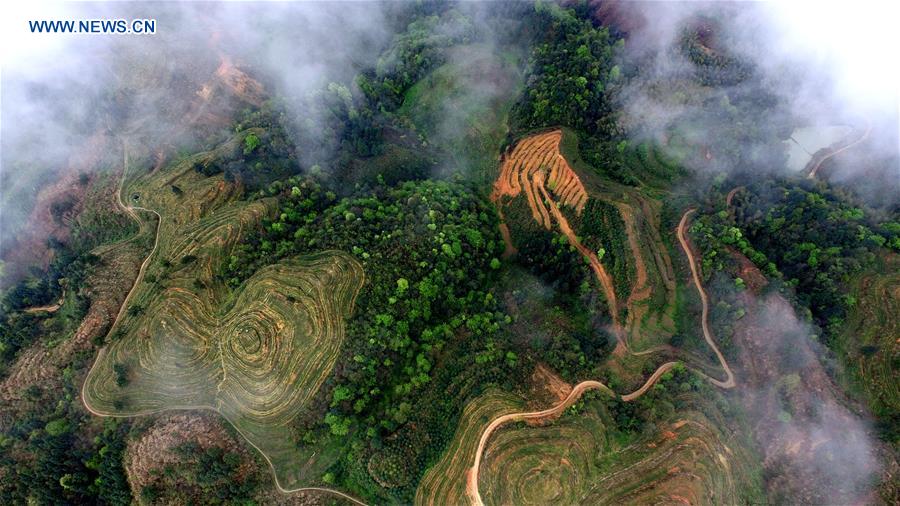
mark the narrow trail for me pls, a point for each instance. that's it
(130, 210)
(704, 320)
(49, 308)
(579, 389)
(814, 167)
(509, 249)
(731, 194)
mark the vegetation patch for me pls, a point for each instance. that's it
(870, 344)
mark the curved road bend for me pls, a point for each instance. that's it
(473, 472)
(811, 172)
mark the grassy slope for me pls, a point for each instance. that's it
(463, 105)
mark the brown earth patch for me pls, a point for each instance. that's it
(748, 271)
(800, 418)
(547, 381)
(147, 457)
(155, 448)
(29, 248)
(41, 366)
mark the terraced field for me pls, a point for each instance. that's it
(580, 459)
(651, 302)
(577, 461)
(184, 341)
(445, 482)
(557, 463)
(535, 165)
(872, 345)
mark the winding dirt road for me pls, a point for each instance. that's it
(579, 389)
(704, 320)
(814, 165)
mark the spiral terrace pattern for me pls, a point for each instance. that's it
(575, 462)
(257, 360)
(255, 355)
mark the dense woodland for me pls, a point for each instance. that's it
(818, 239)
(812, 237)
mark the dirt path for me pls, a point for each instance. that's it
(131, 212)
(814, 165)
(731, 194)
(704, 320)
(50, 308)
(472, 475)
(532, 162)
(509, 248)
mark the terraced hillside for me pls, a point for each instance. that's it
(563, 194)
(534, 161)
(577, 461)
(565, 462)
(872, 345)
(579, 457)
(184, 341)
(651, 304)
(445, 482)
